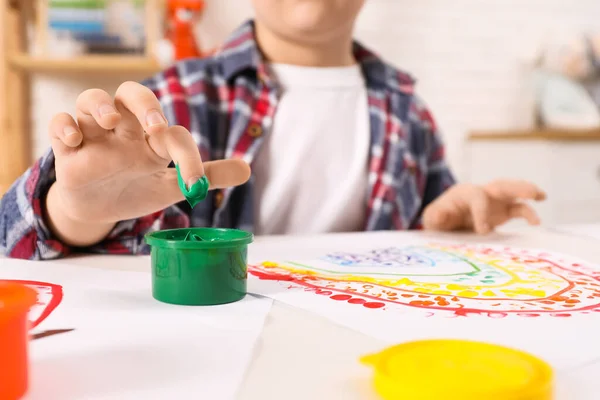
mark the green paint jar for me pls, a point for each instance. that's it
(199, 266)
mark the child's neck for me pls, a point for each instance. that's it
(335, 53)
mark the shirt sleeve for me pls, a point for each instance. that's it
(437, 174)
(23, 231)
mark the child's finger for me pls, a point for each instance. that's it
(479, 206)
(64, 133)
(515, 189)
(177, 144)
(437, 217)
(522, 210)
(96, 113)
(226, 173)
(142, 108)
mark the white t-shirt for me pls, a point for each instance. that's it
(311, 172)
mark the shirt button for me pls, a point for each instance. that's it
(255, 130)
(218, 198)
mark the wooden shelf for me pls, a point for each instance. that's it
(112, 64)
(567, 135)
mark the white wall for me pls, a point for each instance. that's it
(466, 54)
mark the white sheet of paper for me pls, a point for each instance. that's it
(586, 230)
(126, 345)
(564, 341)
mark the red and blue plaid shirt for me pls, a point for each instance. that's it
(227, 102)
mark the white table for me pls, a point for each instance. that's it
(302, 356)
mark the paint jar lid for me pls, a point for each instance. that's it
(457, 369)
(199, 238)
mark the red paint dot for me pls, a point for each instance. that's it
(531, 315)
(423, 296)
(560, 315)
(407, 295)
(341, 297)
(374, 305)
(323, 292)
(357, 300)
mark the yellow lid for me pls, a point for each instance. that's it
(456, 369)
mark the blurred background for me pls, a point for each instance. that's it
(513, 83)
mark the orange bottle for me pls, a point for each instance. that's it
(15, 302)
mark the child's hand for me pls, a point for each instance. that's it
(111, 163)
(482, 208)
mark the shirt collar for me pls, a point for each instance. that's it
(379, 74)
(240, 53)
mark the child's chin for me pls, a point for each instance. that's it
(311, 17)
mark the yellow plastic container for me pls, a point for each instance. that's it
(459, 370)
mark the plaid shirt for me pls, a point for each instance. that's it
(227, 102)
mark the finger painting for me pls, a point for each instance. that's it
(443, 279)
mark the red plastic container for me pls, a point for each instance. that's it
(15, 302)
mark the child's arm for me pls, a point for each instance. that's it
(448, 205)
(437, 174)
(105, 183)
(71, 231)
(439, 177)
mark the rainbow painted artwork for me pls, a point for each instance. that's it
(446, 279)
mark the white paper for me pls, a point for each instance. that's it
(586, 230)
(126, 345)
(557, 322)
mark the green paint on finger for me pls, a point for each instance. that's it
(197, 192)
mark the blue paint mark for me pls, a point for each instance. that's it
(394, 257)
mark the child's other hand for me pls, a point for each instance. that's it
(112, 160)
(482, 208)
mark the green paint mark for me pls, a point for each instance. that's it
(78, 4)
(197, 192)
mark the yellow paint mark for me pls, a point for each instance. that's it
(430, 285)
(270, 264)
(489, 293)
(468, 293)
(522, 291)
(446, 292)
(405, 281)
(422, 290)
(453, 286)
